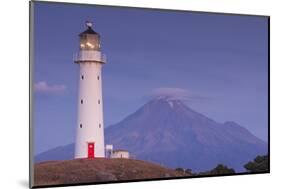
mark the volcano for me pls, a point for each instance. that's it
(170, 133)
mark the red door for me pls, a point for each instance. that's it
(91, 150)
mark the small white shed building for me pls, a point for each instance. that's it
(108, 150)
(120, 154)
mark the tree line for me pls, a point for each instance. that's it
(258, 165)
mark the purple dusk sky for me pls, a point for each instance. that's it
(217, 62)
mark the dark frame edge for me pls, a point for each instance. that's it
(268, 94)
(149, 180)
(31, 39)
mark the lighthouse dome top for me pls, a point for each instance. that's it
(89, 29)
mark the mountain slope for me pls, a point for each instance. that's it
(168, 132)
(58, 153)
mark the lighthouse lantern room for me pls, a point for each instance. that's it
(90, 129)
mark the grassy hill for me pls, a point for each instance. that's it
(98, 170)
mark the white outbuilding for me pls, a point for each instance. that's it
(108, 150)
(120, 154)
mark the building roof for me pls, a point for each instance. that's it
(89, 30)
(120, 150)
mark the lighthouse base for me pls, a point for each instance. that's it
(89, 150)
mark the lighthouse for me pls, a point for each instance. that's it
(90, 129)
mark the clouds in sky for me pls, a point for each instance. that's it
(176, 94)
(44, 87)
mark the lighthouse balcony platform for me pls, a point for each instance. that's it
(89, 56)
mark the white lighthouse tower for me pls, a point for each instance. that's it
(90, 129)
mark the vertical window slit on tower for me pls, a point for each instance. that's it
(80, 125)
(81, 101)
(99, 101)
(82, 77)
(98, 77)
(99, 125)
